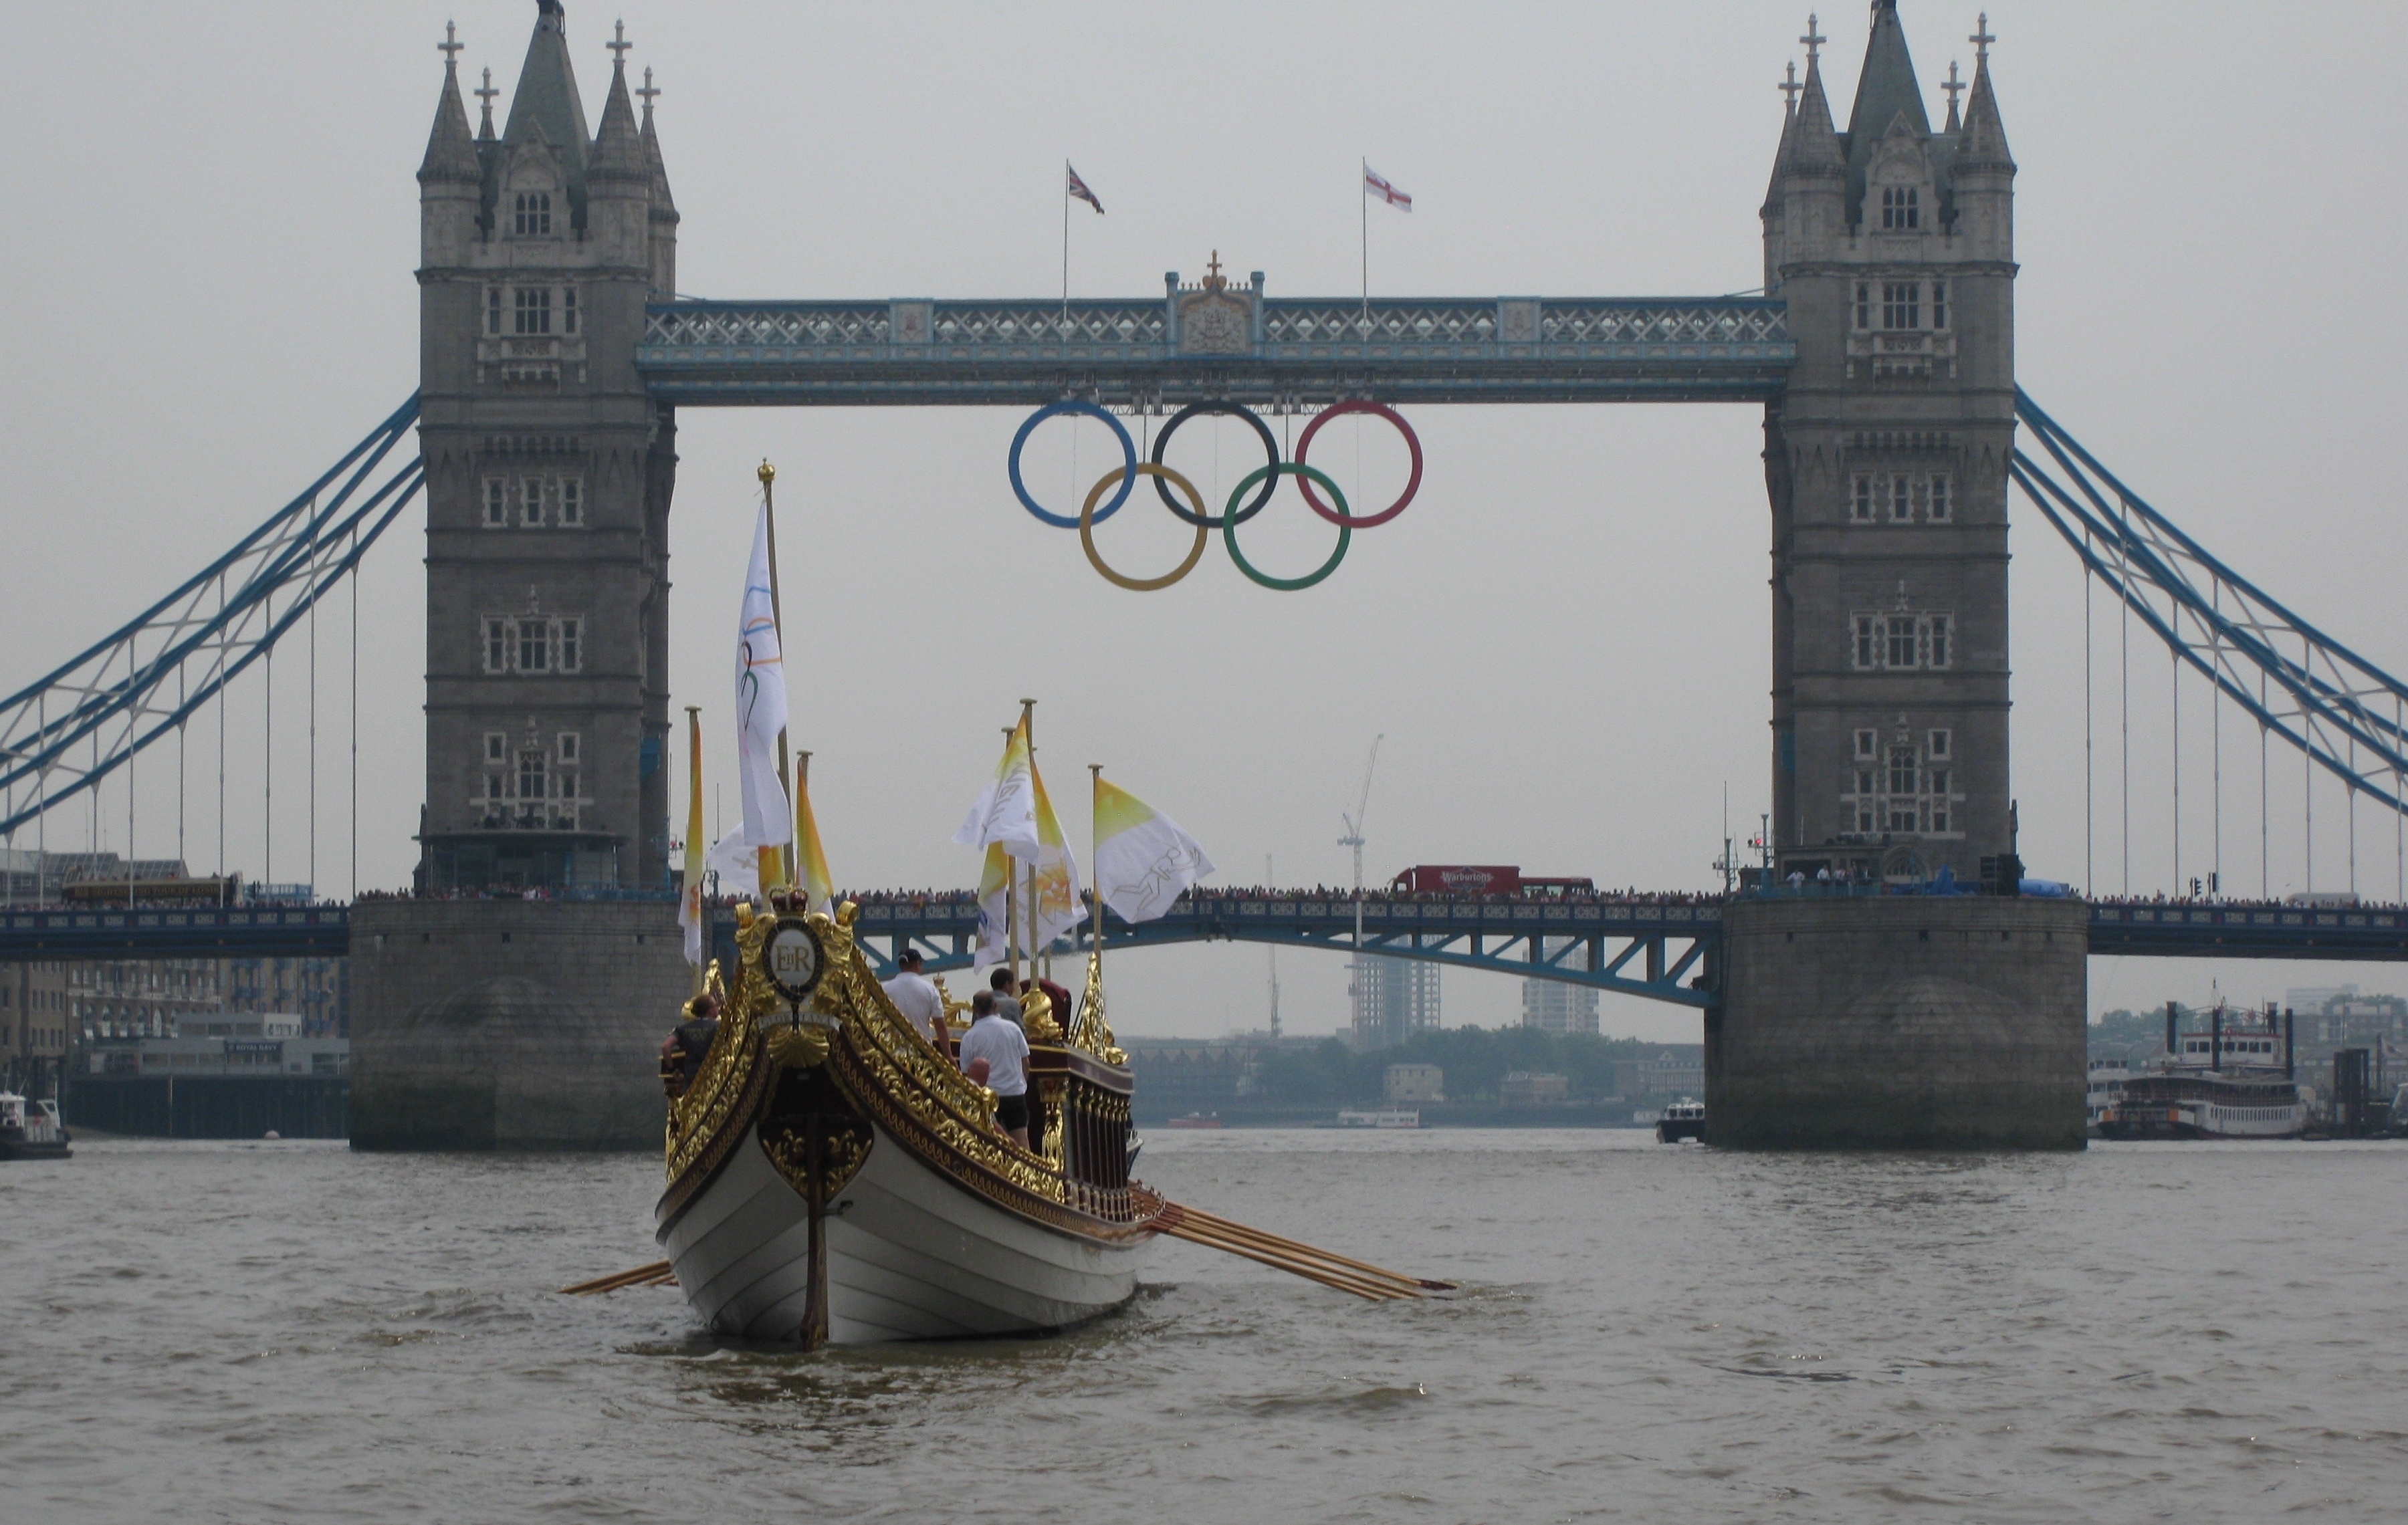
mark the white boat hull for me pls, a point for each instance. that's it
(911, 1255)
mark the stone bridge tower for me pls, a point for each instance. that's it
(548, 480)
(1886, 464)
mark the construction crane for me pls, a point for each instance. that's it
(1353, 838)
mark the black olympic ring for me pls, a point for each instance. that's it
(1270, 449)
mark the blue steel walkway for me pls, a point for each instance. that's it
(1665, 951)
(1221, 341)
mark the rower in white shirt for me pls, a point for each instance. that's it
(917, 998)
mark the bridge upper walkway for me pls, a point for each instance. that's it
(1664, 949)
(1272, 353)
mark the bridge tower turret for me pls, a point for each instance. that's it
(1886, 462)
(549, 473)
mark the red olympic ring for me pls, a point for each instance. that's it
(1413, 485)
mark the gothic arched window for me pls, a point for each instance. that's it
(531, 215)
(1902, 208)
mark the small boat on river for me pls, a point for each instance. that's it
(31, 1129)
(1684, 1118)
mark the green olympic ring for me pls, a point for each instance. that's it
(1229, 526)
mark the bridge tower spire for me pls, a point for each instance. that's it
(1886, 465)
(548, 478)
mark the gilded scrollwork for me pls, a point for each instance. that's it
(885, 1072)
(1090, 1030)
(724, 1079)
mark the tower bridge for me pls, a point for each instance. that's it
(556, 356)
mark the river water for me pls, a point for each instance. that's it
(290, 1332)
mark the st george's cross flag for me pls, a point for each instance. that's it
(1375, 185)
(1078, 187)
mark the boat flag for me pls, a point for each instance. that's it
(1143, 860)
(1077, 188)
(690, 913)
(760, 716)
(1006, 809)
(995, 887)
(810, 860)
(1374, 184)
(1058, 900)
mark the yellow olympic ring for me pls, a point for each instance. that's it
(1203, 521)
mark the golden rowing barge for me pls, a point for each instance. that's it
(833, 1177)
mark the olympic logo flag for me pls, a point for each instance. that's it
(760, 717)
(1005, 812)
(1057, 908)
(1262, 482)
(1144, 861)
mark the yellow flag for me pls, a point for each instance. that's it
(810, 858)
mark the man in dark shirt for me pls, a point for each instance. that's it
(683, 1053)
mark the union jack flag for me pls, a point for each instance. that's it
(1375, 185)
(1078, 187)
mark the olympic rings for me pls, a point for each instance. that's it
(1128, 459)
(1339, 516)
(1270, 454)
(1300, 471)
(1087, 516)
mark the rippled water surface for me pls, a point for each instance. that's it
(295, 1333)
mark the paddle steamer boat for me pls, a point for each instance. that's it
(2235, 1080)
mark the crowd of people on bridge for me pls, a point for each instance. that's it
(1834, 882)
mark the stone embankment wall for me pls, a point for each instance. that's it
(1900, 1022)
(502, 1024)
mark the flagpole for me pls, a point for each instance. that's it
(1363, 213)
(694, 834)
(1028, 726)
(1011, 892)
(1065, 238)
(784, 863)
(1095, 862)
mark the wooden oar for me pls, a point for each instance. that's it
(658, 1274)
(1299, 1261)
(1276, 1242)
(1370, 1291)
(1343, 1273)
(1342, 1265)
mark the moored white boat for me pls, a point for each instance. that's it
(30, 1129)
(2234, 1081)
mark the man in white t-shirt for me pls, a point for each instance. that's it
(1000, 1044)
(915, 996)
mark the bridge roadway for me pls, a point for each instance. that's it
(1663, 950)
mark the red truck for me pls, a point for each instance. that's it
(1481, 879)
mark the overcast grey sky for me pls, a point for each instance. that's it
(213, 224)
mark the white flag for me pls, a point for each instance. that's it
(760, 719)
(1144, 860)
(1006, 809)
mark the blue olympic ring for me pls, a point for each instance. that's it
(1128, 462)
